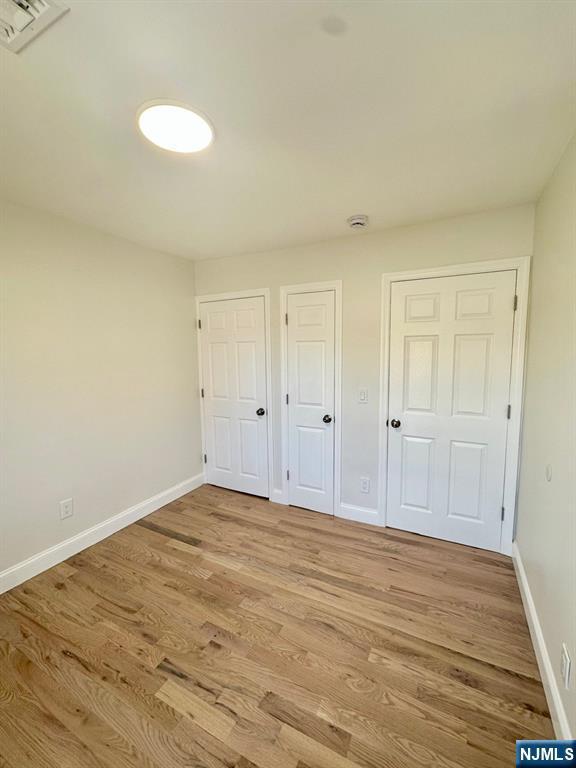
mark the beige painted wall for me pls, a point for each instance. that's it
(99, 381)
(546, 529)
(359, 261)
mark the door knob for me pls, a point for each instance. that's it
(395, 423)
(327, 419)
(260, 412)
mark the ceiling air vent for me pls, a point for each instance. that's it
(23, 20)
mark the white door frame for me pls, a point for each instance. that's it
(265, 294)
(522, 267)
(286, 290)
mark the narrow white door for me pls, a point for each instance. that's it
(450, 357)
(311, 339)
(233, 352)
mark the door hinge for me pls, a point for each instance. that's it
(515, 303)
(509, 412)
(502, 515)
(287, 398)
(202, 392)
(205, 459)
(199, 325)
(286, 318)
(287, 474)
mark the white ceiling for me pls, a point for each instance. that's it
(403, 111)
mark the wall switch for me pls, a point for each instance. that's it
(565, 665)
(365, 484)
(66, 508)
(362, 395)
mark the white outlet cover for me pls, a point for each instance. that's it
(66, 508)
(365, 484)
(363, 395)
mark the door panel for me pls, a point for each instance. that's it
(420, 373)
(311, 449)
(467, 467)
(417, 469)
(311, 382)
(222, 440)
(248, 447)
(233, 347)
(450, 357)
(247, 371)
(310, 372)
(218, 370)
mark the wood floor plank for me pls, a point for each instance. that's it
(66, 707)
(225, 631)
(318, 729)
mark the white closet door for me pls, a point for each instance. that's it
(233, 351)
(311, 353)
(450, 358)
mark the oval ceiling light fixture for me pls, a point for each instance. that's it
(174, 127)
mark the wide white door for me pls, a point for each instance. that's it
(450, 358)
(311, 338)
(233, 352)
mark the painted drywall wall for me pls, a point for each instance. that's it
(359, 261)
(546, 526)
(98, 377)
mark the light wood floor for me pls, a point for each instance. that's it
(225, 631)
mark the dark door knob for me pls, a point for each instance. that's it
(395, 423)
(327, 419)
(260, 412)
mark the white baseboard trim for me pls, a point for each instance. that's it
(359, 514)
(555, 704)
(34, 565)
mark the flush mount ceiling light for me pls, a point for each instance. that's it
(174, 127)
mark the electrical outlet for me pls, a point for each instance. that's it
(363, 395)
(365, 484)
(66, 508)
(565, 664)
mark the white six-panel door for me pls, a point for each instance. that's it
(233, 354)
(311, 392)
(450, 358)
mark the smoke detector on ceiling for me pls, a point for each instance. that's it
(359, 221)
(23, 20)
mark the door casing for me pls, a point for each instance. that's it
(265, 294)
(522, 267)
(281, 494)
